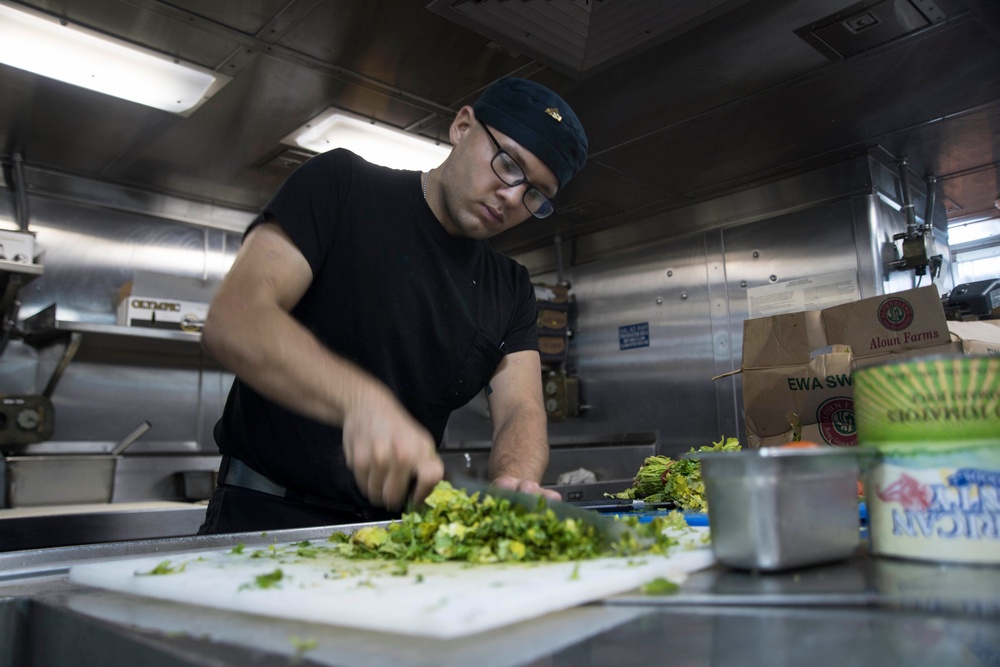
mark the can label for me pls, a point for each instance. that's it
(937, 507)
(943, 401)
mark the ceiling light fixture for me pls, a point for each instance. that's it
(56, 49)
(372, 140)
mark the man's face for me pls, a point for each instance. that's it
(477, 203)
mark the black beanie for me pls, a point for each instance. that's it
(537, 119)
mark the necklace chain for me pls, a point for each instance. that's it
(424, 187)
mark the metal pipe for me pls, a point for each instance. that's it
(560, 277)
(931, 195)
(21, 193)
(904, 184)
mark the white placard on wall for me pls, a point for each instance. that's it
(813, 293)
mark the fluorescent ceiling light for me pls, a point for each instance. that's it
(374, 141)
(47, 46)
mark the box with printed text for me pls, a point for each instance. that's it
(797, 367)
(162, 301)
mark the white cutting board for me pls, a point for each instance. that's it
(441, 600)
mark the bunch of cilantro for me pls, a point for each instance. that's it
(454, 526)
(661, 479)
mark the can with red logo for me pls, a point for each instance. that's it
(932, 484)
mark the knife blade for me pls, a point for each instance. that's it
(609, 530)
(619, 505)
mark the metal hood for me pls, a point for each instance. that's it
(680, 105)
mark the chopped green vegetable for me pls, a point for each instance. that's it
(457, 527)
(238, 549)
(269, 580)
(301, 646)
(660, 586)
(165, 568)
(661, 479)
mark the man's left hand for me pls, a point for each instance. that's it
(525, 486)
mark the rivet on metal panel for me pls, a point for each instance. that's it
(773, 279)
(659, 301)
(743, 283)
(684, 295)
(756, 254)
(670, 273)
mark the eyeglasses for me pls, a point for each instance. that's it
(511, 173)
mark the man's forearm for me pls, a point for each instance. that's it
(283, 361)
(521, 446)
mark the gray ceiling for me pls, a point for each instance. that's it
(694, 104)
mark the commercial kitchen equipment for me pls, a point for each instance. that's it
(861, 611)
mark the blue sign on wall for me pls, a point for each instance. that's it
(633, 335)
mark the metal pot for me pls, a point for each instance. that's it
(65, 479)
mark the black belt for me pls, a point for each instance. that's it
(237, 473)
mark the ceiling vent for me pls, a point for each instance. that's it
(580, 37)
(868, 24)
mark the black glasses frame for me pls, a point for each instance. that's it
(543, 205)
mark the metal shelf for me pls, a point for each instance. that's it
(33, 270)
(14, 276)
(43, 328)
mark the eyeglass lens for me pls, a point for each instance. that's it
(511, 173)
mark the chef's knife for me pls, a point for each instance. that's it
(619, 505)
(609, 530)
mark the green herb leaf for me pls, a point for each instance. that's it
(164, 568)
(660, 586)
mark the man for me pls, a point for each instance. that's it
(365, 305)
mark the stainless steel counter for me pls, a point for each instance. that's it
(56, 526)
(862, 611)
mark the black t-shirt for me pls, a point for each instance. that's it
(429, 314)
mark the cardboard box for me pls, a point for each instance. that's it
(977, 337)
(879, 325)
(17, 246)
(890, 323)
(797, 366)
(776, 398)
(162, 301)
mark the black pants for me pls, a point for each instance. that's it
(237, 510)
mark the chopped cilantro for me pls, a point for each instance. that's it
(164, 568)
(269, 580)
(661, 479)
(660, 586)
(454, 526)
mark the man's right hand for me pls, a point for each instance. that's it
(386, 448)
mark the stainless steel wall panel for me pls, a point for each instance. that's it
(764, 201)
(102, 396)
(812, 242)
(19, 370)
(89, 254)
(725, 357)
(666, 387)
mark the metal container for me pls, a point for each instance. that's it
(34, 481)
(778, 507)
(63, 479)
